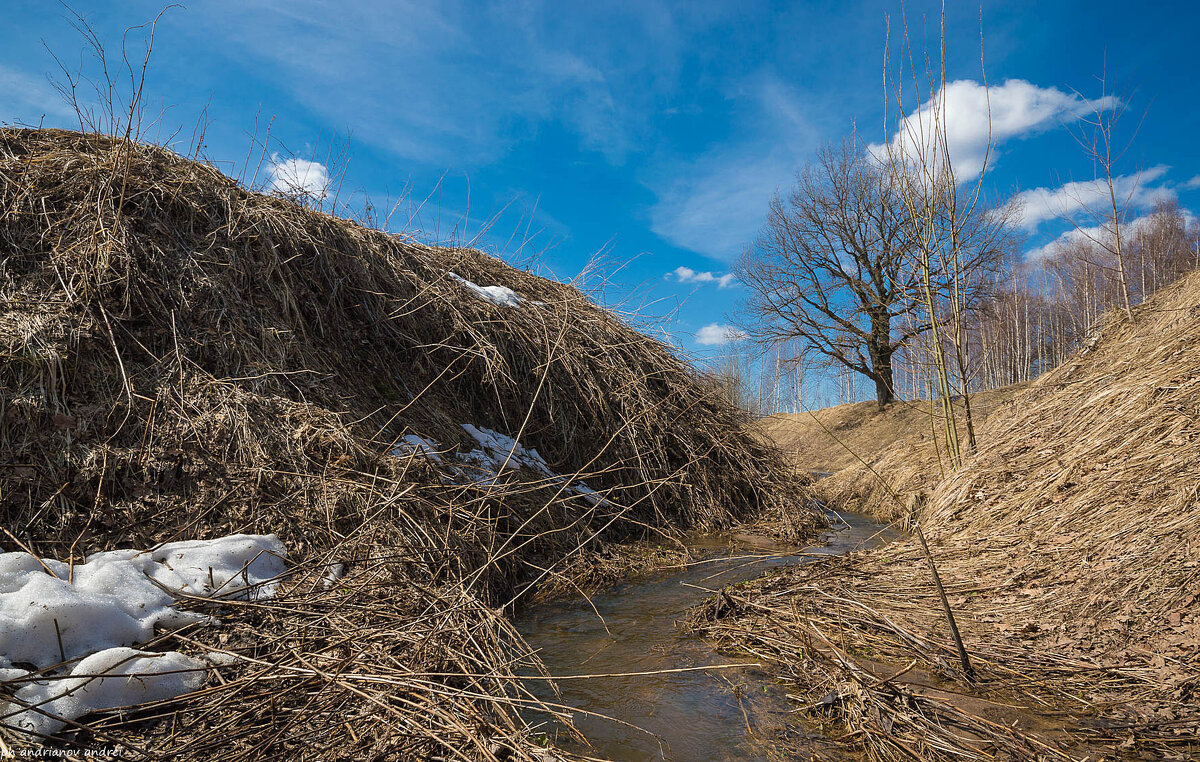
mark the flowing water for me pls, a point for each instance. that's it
(698, 714)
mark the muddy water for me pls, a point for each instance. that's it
(700, 714)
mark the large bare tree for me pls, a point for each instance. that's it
(831, 268)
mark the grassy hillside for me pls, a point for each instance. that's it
(861, 447)
(182, 358)
(1096, 476)
(1068, 548)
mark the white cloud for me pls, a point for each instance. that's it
(299, 177)
(715, 334)
(1074, 234)
(1091, 197)
(1017, 109)
(688, 275)
(1193, 183)
(1100, 233)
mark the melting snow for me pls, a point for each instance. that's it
(50, 613)
(496, 453)
(588, 494)
(419, 445)
(332, 574)
(498, 295)
(112, 678)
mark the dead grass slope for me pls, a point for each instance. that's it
(1093, 482)
(182, 358)
(863, 448)
(1069, 549)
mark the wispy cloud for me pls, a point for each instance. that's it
(299, 177)
(716, 203)
(26, 98)
(971, 114)
(459, 83)
(715, 334)
(1193, 183)
(1089, 197)
(718, 209)
(688, 275)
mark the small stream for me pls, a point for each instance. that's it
(684, 715)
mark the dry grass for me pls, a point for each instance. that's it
(1069, 550)
(861, 446)
(865, 644)
(182, 358)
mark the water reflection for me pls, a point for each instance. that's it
(682, 715)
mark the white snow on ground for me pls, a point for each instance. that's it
(499, 451)
(502, 296)
(221, 658)
(112, 678)
(588, 494)
(332, 574)
(496, 453)
(419, 445)
(50, 612)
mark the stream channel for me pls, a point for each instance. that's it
(682, 715)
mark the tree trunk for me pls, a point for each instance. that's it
(883, 386)
(879, 348)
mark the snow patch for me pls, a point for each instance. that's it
(496, 453)
(51, 613)
(412, 443)
(221, 658)
(588, 494)
(502, 296)
(333, 573)
(112, 678)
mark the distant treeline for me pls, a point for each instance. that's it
(1043, 310)
(1027, 315)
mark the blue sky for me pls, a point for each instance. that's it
(652, 133)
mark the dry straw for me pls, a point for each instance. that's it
(1068, 544)
(184, 358)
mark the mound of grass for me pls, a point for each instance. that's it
(182, 358)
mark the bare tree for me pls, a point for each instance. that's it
(781, 378)
(734, 374)
(829, 268)
(1043, 310)
(1161, 248)
(1097, 136)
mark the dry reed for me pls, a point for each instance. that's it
(181, 358)
(1069, 550)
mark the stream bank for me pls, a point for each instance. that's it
(653, 691)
